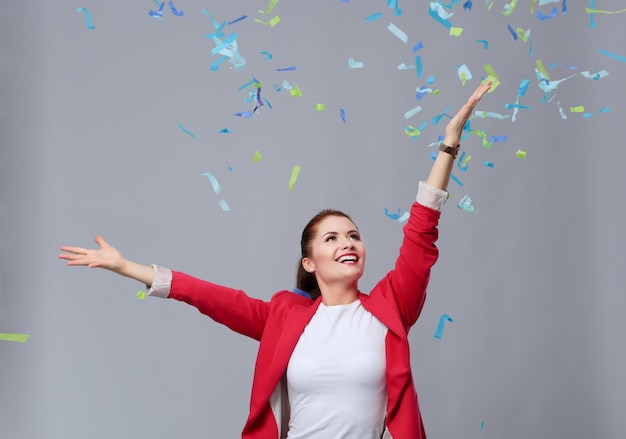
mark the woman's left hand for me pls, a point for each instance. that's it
(454, 129)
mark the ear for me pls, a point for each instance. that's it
(307, 264)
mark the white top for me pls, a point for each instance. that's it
(336, 376)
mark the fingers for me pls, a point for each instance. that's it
(100, 241)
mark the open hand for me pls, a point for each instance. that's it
(105, 257)
(454, 129)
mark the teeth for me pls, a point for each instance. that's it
(347, 258)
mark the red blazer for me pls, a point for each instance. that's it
(396, 301)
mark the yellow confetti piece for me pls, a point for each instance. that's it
(256, 158)
(532, 6)
(463, 78)
(456, 31)
(466, 160)
(295, 91)
(294, 176)
(20, 338)
(273, 22)
(141, 295)
(320, 107)
(542, 69)
(270, 7)
(411, 131)
(602, 11)
(520, 154)
(436, 92)
(578, 109)
(509, 8)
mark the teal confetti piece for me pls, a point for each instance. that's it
(87, 18)
(374, 17)
(442, 321)
(612, 55)
(485, 44)
(185, 130)
(216, 185)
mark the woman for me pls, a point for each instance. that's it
(332, 362)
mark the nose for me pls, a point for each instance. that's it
(347, 244)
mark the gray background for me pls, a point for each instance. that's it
(90, 145)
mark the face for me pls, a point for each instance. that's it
(337, 252)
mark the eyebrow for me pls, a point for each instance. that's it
(335, 233)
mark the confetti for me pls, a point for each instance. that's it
(463, 163)
(398, 33)
(224, 205)
(256, 158)
(267, 56)
(295, 91)
(612, 55)
(541, 16)
(509, 7)
(578, 109)
(488, 164)
(20, 338)
(456, 180)
(159, 13)
(455, 31)
(374, 17)
(602, 11)
(491, 76)
(186, 131)
(418, 66)
(355, 64)
(412, 112)
(284, 69)
(464, 73)
(467, 5)
(243, 17)
(520, 154)
(270, 7)
(485, 44)
(342, 114)
(141, 295)
(442, 321)
(465, 204)
(273, 22)
(87, 17)
(216, 186)
(294, 176)
(320, 107)
(224, 131)
(597, 75)
(393, 216)
(418, 46)
(174, 10)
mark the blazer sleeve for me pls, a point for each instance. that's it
(418, 253)
(227, 306)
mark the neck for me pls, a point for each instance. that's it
(339, 294)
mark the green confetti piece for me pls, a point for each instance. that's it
(20, 338)
(320, 107)
(520, 154)
(141, 295)
(256, 158)
(294, 176)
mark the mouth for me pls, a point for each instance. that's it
(349, 258)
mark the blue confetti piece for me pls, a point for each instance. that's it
(227, 42)
(499, 138)
(456, 180)
(418, 46)
(342, 114)
(418, 66)
(564, 7)
(374, 17)
(512, 31)
(467, 5)
(225, 131)
(286, 68)
(489, 164)
(445, 23)
(243, 17)
(431, 79)
(159, 13)
(485, 44)
(87, 17)
(185, 130)
(174, 10)
(217, 63)
(246, 114)
(523, 86)
(216, 186)
(442, 321)
(592, 21)
(230, 169)
(543, 17)
(459, 164)
(267, 56)
(393, 216)
(224, 205)
(612, 55)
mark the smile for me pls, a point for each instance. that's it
(350, 258)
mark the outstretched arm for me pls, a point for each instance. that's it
(442, 168)
(107, 257)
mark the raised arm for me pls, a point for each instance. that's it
(107, 257)
(440, 173)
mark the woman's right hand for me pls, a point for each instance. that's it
(106, 256)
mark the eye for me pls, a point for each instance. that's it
(355, 236)
(330, 238)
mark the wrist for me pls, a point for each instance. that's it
(451, 149)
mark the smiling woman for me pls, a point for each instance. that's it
(332, 361)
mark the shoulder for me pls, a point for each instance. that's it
(289, 298)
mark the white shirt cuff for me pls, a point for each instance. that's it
(431, 196)
(161, 282)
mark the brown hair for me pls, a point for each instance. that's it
(306, 281)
